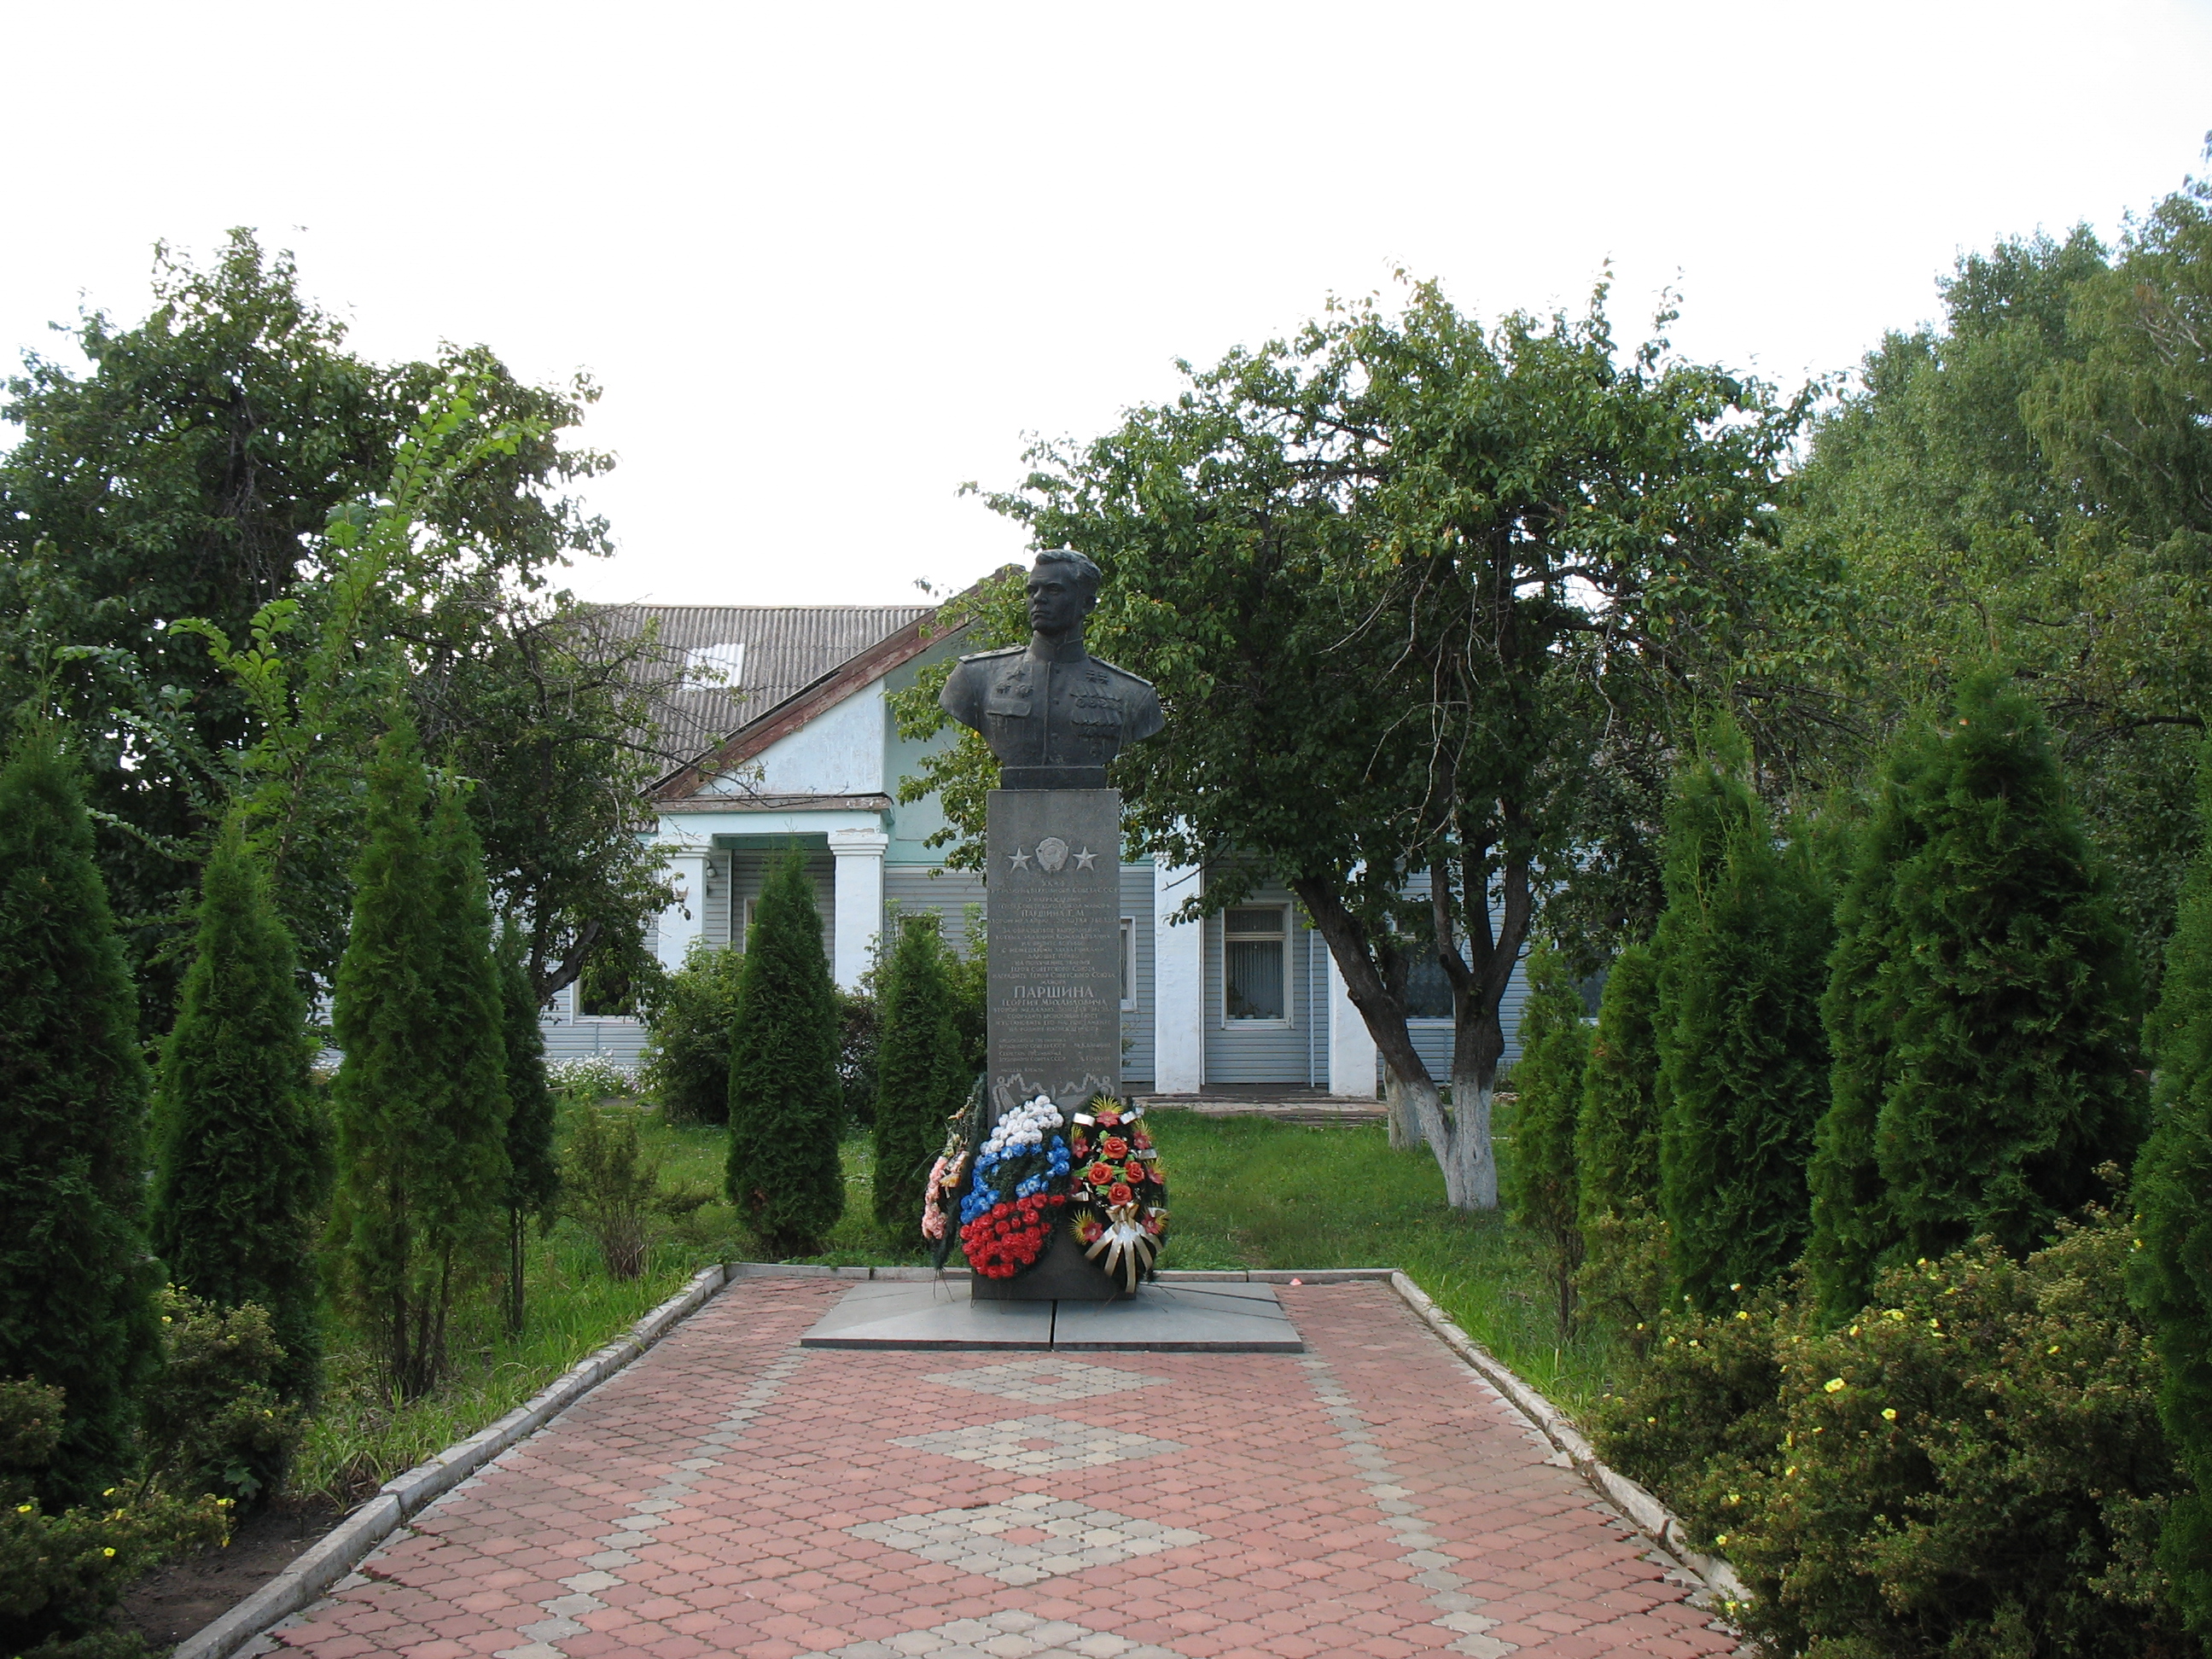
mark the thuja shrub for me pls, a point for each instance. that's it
(1626, 1272)
(1972, 1466)
(62, 1572)
(919, 1078)
(687, 1058)
(1548, 1086)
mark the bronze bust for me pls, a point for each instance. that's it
(1054, 715)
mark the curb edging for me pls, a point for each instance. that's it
(1648, 1516)
(338, 1550)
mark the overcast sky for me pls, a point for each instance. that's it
(829, 261)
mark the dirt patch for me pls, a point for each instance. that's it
(174, 1602)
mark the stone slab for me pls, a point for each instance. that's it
(1181, 1318)
(891, 1315)
(1221, 1318)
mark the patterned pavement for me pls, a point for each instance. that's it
(731, 1493)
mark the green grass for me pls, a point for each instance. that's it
(1245, 1193)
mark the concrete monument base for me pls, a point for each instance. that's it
(1181, 1318)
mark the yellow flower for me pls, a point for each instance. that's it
(1833, 1385)
(1889, 1413)
(1722, 1539)
(1789, 1473)
(1743, 1313)
(1651, 1419)
(110, 1550)
(22, 1509)
(1854, 1330)
(2054, 1347)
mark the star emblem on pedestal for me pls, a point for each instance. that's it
(1019, 858)
(1085, 859)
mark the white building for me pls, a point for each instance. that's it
(809, 756)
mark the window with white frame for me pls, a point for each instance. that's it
(1128, 962)
(1254, 964)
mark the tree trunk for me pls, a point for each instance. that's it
(1478, 1041)
(1405, 1124)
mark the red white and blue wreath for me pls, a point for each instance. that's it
(1016, 1190)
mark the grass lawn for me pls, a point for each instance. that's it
(1245, 1193)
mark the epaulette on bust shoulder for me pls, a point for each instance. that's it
(1126, 675)
(986, 656)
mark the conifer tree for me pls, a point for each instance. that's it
(1740, 949)
(2172, 1280)
(1548, 1086)
(76, 1292)
(1617, 1126)
(420, 1101)
(1992, 988)
(237, 1163)
(920, 1078)
(787, 1104)
(533, 1172)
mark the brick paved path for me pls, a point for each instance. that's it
(731, 1492)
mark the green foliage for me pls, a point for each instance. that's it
(786, 1102)
(1982, 1007)
(216, 1420)
(61, 1573)
(1975, 1467)
(686, 1058)
(611, 1188)
(1544, 1193)
(2028, 482)
(420, 1101)
(921, 1078)
(75, 1309)
(1624, 1272)
(533, 1174)
(238, 1166)
(1739, 957)
(1599, 519)
(860, 1045)
(2172, 1278)
(197, 473)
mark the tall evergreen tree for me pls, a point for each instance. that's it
(533, 1172)
(1617, 1125)
(2172, 1281)
(786, 1102)
(1989, 991)
(919, 1078)
(75, 1294)
(237, 1163)
(420, 1105)
(1740, 950)
(1541, 1185)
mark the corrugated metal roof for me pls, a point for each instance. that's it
(787, 648)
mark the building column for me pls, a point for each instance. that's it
(1178, 982)
(1350, 1046)
(684, 919)
(859, 904)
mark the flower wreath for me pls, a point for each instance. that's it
(1121, 1198)
(1018, 1184)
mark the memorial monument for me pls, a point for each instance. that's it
(1054, 715)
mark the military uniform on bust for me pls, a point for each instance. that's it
(1054, 717)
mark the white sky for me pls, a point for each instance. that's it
(829, 261)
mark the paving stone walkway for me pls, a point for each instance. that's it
(731, 1492)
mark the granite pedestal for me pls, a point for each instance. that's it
(1185, 1318)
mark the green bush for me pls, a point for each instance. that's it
(1740, 952)
(1983, 1006)
(238, 1166)
(920, 1078)
(533, 1173)
(1625, 1273)
(61, 1574)
(859, 1044)
(76, 1286)
(214, 1420)
(2172, 1278)
(687, 1059)
(1540, 1189)
(611, 1188)
(786, 1104)
(1973, 1466)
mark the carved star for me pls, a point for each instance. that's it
(1019, 858)
(1085, 859)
